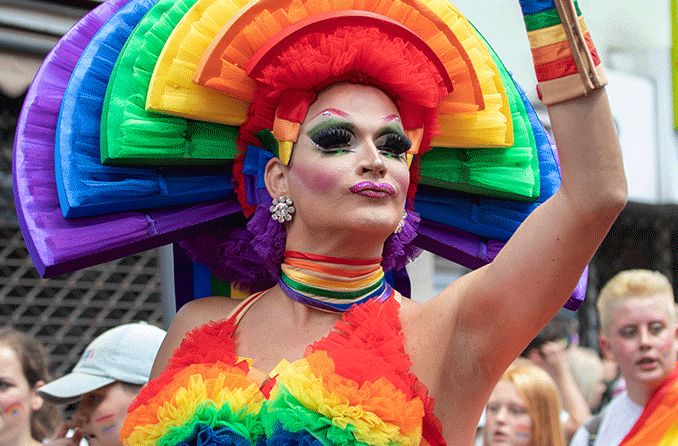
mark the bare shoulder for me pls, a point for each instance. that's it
(194, 314)
(206, 309)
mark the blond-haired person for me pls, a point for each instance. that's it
(524, 409)
(638, 329)
(587, 369)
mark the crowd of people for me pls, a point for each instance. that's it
(103, 383)
(638, 334)
(552, 395)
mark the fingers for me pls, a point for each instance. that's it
(62, 437)
(61, 431)
(553, 351)
(77, 436)
(553, 358)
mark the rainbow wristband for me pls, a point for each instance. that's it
(565, 60)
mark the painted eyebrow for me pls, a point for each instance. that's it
(334, 111)
(343, 120)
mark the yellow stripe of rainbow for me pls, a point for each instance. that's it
(172, 90)
(552, 34)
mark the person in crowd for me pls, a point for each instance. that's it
(587, 369)
(638, 329)
(524, 409)
(614, 381)
(25, 418)
(103, 383)
(549, 351)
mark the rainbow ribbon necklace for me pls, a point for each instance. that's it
(332, 284)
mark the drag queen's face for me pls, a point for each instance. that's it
(348, 169)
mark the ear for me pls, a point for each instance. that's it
(36, 400)
(275, 177)
(605, 348)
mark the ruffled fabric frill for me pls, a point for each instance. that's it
(353, 387)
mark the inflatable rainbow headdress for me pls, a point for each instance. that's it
(132, 134)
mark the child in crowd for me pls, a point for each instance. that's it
(524, 409)
(638, 329)
(104, 382)
(25, 419)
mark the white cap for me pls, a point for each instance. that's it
(124, 353)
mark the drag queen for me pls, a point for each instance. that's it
(342, 105)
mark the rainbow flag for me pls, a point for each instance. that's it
(658, 424)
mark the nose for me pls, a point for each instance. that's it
(501, 415)
(645, 338)
(371, 161)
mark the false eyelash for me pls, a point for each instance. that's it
(332, 138)
(396, 144)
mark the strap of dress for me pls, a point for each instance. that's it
(238, 312)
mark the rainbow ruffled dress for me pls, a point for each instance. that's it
(353, 387)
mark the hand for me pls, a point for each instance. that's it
(61, 437)
(551, 357)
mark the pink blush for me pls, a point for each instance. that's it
(322, 180)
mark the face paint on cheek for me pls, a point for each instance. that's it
(522, 431)
(106, 424)
(108, 429)
(14, 409)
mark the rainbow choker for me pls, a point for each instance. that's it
(330, 283)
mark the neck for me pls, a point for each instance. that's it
(638, 395)
(330, 283)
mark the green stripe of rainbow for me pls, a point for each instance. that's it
(546, 18)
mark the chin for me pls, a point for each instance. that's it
(375, 225)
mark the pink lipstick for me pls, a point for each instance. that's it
(372, 190)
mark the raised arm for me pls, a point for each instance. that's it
(496, 310)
